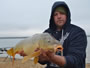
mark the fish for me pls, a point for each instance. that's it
(43, 41)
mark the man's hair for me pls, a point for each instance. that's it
(61, 9)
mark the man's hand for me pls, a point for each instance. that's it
(51, 57)
(46, 55)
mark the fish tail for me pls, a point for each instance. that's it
(10, 52)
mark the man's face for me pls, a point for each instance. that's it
(59, 19)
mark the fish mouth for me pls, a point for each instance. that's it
(58, 47)
(55, 48)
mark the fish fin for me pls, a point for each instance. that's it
(36, 60)
(35, 54)
(25, 59)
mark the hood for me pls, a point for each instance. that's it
(55, 5)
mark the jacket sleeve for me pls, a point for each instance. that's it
(76, 55)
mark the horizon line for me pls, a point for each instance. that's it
(21, 37)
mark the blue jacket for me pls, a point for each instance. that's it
(73, 39)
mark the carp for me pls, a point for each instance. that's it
(29, 45)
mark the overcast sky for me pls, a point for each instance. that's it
(27, 17)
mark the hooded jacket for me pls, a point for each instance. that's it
(73, 39)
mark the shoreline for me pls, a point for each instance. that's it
(7, 63)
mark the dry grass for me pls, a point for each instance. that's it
(17, 64)
(88, 65)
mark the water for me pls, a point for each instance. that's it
(6, 43)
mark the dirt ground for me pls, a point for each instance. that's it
(6, 63)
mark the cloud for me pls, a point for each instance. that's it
(27, 17)
(79, 9)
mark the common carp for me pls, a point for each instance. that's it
(44, 41)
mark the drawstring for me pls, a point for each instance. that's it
(62, 38)
(62, 41)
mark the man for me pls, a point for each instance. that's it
(72, 38)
